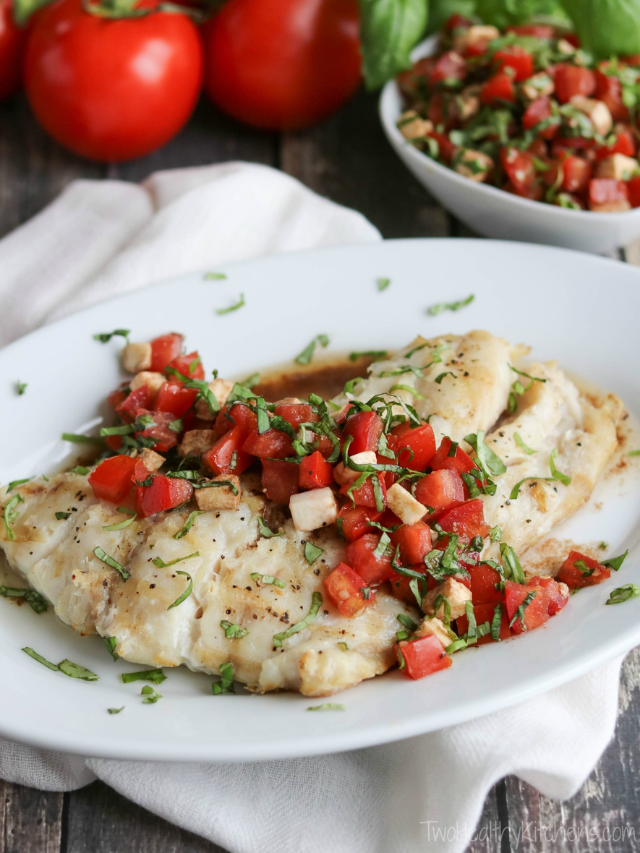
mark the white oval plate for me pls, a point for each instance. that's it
(578, 309)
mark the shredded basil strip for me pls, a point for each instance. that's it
(512, 563)
(519, 614)
(256, 577)
(307, 353)
(101, 555)
(105, 337)
(526, 375)
(434, 310)
(583, 568)
(127, 429)
(235, 307)
(74, 670)
(558, 475)
(383, 283)
(623, 593)
(11, 513)
(21, 387)
(186, 527)
(110, 645)
(327, 706)
(36, 601)
(371, 353)
(634, 453)
(40, 659)
(438, 379)
(156, 676)
(63, 516)
(515, 491)
(159, 563)
(214, 276)
(233, 632)
(496, 623)
(518, 440)
(82, 439)
(216, 484)
(186, 593)
(311, 552)
(615, 562)
(115, 710)
(121, 524)
(151, 695)
(265, 531)
(204, 392)
(495, 534)
(490, 463)
(225, 685)
(316, 604)
(407, 622)
(15, 483)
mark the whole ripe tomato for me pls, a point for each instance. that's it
(282, 64)
(112, 89)
(12, 42)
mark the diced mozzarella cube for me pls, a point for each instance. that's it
(537, 86)
(153, 381)
(434, 627)
(474, 165)
(404, 505)
(478, 34)
(412, 126)
(617, 166)
(226, 496)
(221, 389)
(597, 111)
(344, 475)
(136, 357)
(456, 593)
(314, 509)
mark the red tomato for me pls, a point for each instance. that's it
(315, 472)
(483, 585)
(188, 365)
(165, 437)
(625, 144)
(485, 613)
(361, 556)
(111, 480)
(284, 65)
(12, 44)
(576, 577)
(607, 191)
(221, 458)
(457, 22)
(441, 489)
(401, 589)
(416, 448)
(365, 496)
(448, 66)
(422, 657)
(366, 429)
(238, 415)
(539, 31)
(609, 90)
(460, 461)
(466, 521)
(163, 493)
(175, 398)
(576, 174)
(536, 613)
(498, 88)
(519, 167)
(414, 79)
(557, 599)
(296, 414)
(117, 397)
(540, 110)
(516, 58)
(633, 189)
(164, 350)
(137, 401)
(354, 521)
(446, 148)
(571, 80)
(279, 480)
(112, 90)
(414, 541)
(344, 588)
(271, 443)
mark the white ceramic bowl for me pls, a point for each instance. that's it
(494, 213)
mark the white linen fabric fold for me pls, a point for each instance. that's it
(100, 239)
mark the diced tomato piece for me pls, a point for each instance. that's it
(633, 190)
(446, 148)
(460, 461)
(520, 168)
(483, 584)
(111, 480)
(237, 415)
(164, 437)
(220, 458)
(563, 145)
(163, 350)
(441, 490)
(365, 496)
(573, 80)
(416, 448)
(608, 89)
(163, 493)
(498, 88)
(539, 31)
(413, 81)
(271, 443)
(633, 59)
(536, 613)
(466, 521)
(401, 589)
(625, 144)
(438, 112)
(354, 521)
(137, 401)
(361, 555)
(538, 111)
(576, 577)
(456, 22)
(188, 365)
(279, 480)
(607, 191)
(556, 599)
(175, 399)
(414, 541)
(485, 613)
(315, 472)
(343, 586)
(113, 442)
(576, 173)
(366, 429)
(117, 397)
(449, 66)
(422, 657)
(296, 413)
(516, 58)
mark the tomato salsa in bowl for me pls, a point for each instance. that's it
(521, 116)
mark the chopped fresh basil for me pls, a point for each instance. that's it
(204, 392)
(307, 353)
(256, 577)
(214, 276)
(36, 601)
(438, 379)
(615, 562)
(372, 353)
(519, 614)
(495, 534)
(456, 646)
(634, 453)
(383, 283)
(175, 426)
(15, 483)
(151, 695)
(216, 484)
(156, 676)
(115, 710)
(316, 604)
(233, 632)
(11, 513)
(159, 563)
(225, 685)
(187, 591)
(512, 563)
(101, 555)
(518, 440)
(121, 524)
(82, 439)
(344, 646)
(110, 645)
(105, 337)
(365, 592)
(80, 469)
(126, 429)
(327, 706)
(21, 387)
(311, 552)
(399, 371)
(408, 388)
(496, 622)
(265, 531)
(40, 659)
(526, 375)
(489, 462)
(63, 516)
(583, 568)
(407, 622)
(558, 475)
(235, 307)
(74, 670)
(623, 593)
(186, 527)
(434, 310)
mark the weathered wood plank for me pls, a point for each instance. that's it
(348, 159)
(30, 821)
(101, 821)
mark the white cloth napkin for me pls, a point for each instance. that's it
(100, 239)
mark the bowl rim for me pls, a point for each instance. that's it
(390, 90)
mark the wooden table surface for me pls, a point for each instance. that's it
(348, 160)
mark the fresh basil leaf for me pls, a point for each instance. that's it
(159, 563)
(63, 516)
(265, 531)
(389, 30)
(214, 276)
(36, 601)
(615, 562)
(512, 563)
(40, 659)
(121, 524)
(307, 353)
(256, 577)
(518, 440)
(110, 645)
(105, 337)
(11, 513)
(187, 591)
(235, 307)
(504, 13)
(434, 310)
(311, 552)
(372, 353)
(383, 283)
(204, 392)
(438, 379)
(496, 623)
(15, 483)
(623, 593)
(82, 439)
(186, 527)
(74, 670)
(489, 462)
(101, 555)
(233, 632)
(316, 604)
(327, 706)
(115, 710)
(519, 614)
(526, 375)
(156, 676)
(557, 475)
(606, 27)
(495, 534)
(407, 622)
(21, 387)
(151, 695)
(225, 685)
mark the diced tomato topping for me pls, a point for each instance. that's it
(460, 461)
(137, 401)
(117, 397)
(485, 613)
(576, 173)
(272, 443)
(520, 168)
(416, 448)
(516, 58)
(113, 442)
(237, 415)
(175, 399)
(372, 568)
(456, 22)
(633, 190)
(607, 191)
(354, 521)
(163, 350)
(366, 429)
(576, 577)
(163, 493)
(466, 521)
(449, 66)
(539, 31)
(220, 458)
(538, 111)
(296, 413)
(343, 586)
(625, 144)
(315, 472)
(498, 88)
(446, 148)
(483, 584)
(556, 599)
(401, 589)
(441, 490)
(413, 81)
(279, 480)
(414, 541)
(422, 657)
(164, 437)
(365, 496)
(111, 480)
(573, 80)
(188, 365)
(536, 613)
(608, 89)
